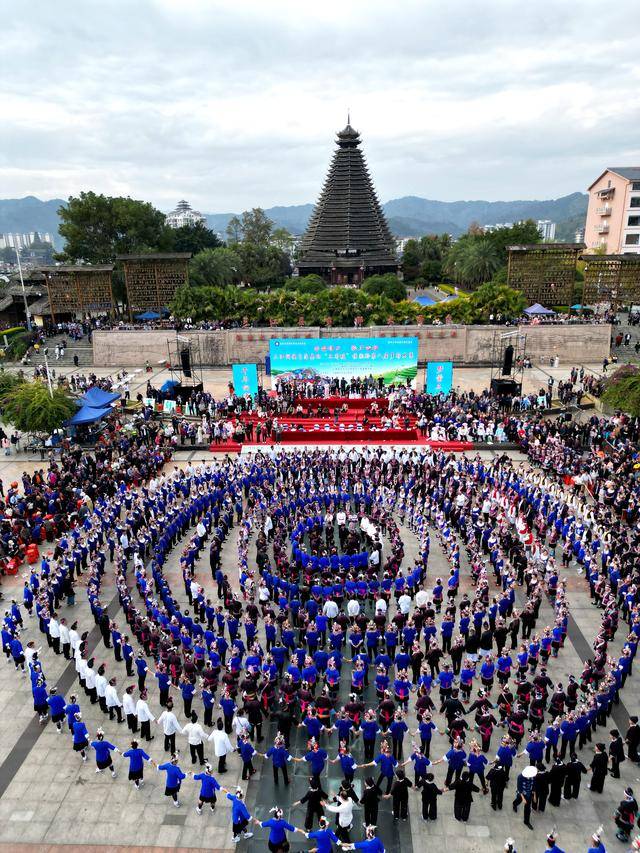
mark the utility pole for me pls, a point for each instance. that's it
(24, 293)
(46, 367)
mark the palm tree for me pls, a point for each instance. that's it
(480, 262)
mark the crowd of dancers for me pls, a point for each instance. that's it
(388, 668)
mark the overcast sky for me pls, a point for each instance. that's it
(234, 103)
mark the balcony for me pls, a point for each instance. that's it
(603, 229)
(604, 211)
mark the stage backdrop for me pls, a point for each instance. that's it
(245, 379)
(393, 359)
(439, 377)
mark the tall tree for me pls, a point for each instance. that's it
(194, 238)
(234, 230)
(520, 234)
(256, 227)
(263, 265)
(216, 267)
(31, 408)
(96, 228)
(481, 260)
(411, 259)
(282, 239)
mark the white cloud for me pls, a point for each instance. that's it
(234, 104)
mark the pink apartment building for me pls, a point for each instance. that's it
(613, 216)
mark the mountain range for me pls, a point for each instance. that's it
(410, 216)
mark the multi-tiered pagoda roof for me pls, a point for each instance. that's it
(347, 230)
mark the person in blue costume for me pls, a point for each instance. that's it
(103, 750)
(370, 843)
(278, 828)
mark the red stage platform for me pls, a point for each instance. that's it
(337, 402)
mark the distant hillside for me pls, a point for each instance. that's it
(427, 216)
(412, 216)
(21, 215)
(409, 216)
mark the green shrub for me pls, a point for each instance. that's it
(385, 285)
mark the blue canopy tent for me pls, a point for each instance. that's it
(148, 315)
(87, 415)
(538, 310)
(96, 398)
(169, 385)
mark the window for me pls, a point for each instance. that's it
(635, 201)
(632, 240)
(635, 186)
(634, 222)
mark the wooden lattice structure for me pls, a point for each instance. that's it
(152, 280)
(611, 278)
(79, 289)
(544, 272)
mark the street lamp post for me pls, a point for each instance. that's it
(24, 293)
(46, 367)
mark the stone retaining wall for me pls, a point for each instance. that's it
(573, 344)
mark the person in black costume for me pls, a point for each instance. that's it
(541, 788)
(556, 780)
(616, 752)
(464, 791)
(430, 793)
(370, 800)
(599, 768)
(575, 769)
(497, 779)
(313, 798)
(400, 795)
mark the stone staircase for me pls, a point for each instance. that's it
(82, 349)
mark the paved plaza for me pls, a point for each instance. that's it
(50, 800)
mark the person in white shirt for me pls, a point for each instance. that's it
(241, 725)
(54, 633)
(30, 652)
(145, 717)
(90, 681)
(381, 606)
(130, 709)
(330, 610)
(113, 702)
(353, 607)
(344, 809)
(101, 687)
(222, 745)
(404, 604)
(194, 589)
(65, 639)
(170, 727)
(422, 598)
(74, 637)
(196, 737)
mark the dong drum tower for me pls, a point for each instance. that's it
(347, 238)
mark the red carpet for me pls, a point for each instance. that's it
(225, 447)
